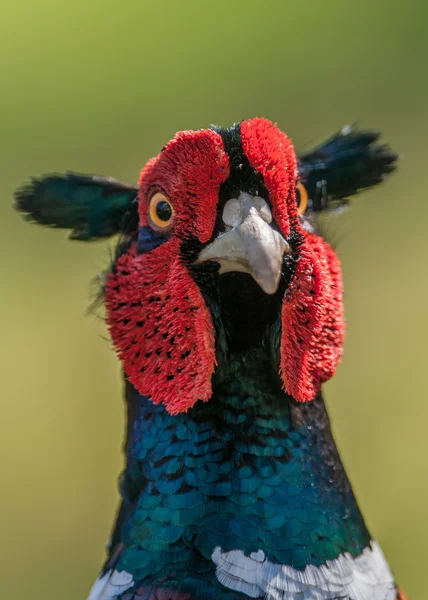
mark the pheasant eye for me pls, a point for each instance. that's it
(161, 212)
(303, 198)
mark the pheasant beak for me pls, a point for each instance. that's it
(249, 244)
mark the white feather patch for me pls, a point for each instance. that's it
(111, 585)
(366, 577)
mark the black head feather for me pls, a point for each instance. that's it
(92, 207)
(346, 163)
(95, 207)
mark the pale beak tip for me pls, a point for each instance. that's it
(251, 246)
(268, 285)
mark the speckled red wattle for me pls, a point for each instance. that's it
(312, 321)
(157, 317)
(312, 312)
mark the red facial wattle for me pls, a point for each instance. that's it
(271, 153)
(159, 321)
(312, 320)
(190, 169)
(312, 310)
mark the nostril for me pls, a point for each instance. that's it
(232, 215)
(257, 204)
(262, 208)
(236, 209)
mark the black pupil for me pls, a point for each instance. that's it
(163, 211)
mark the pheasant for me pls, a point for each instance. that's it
(225, 306)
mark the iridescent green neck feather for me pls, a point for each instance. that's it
(250, 470)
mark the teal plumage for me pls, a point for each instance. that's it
(221, 290)
(251, 469)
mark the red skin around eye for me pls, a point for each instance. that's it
(271, 153)
(312, 311)
(157, 316)
(189, 171)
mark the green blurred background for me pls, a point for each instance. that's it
(99, 86)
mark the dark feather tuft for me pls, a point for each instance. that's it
(346, 163)
(92, 207)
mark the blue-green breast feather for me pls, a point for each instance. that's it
(250, 470)
(243, 496)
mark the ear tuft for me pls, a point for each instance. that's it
(92, 207)
(346, 163)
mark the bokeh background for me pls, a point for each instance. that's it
(99, 86)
